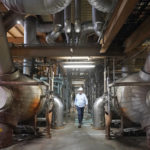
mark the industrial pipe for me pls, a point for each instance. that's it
(6, 64)
(58, 113)
(29, 39)
(87, 28)
(36, 7)
(77, 16)
(99, 113)
(44, 27)
(104, 6)
(67, 19)
(98, 21)
(58, 25)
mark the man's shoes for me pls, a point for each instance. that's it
(79, 126)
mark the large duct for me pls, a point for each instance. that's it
(6, 65)
(99, 113)
(58, 113)
(58, 25)
(36, 7)
(104, 6)
(77, 16)
(29, 39)
(133, 100)
(98, 21)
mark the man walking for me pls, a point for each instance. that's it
(80, 102)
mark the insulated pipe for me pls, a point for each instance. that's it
(98, 21)
(99, 113)
(44, 27)
(77, 16)
(58, 113)
(67, 19)
(86, 28)
(6, 64)
(36, 7)
(147, 64)
(104, 6)
(58, 25)
(29, 39)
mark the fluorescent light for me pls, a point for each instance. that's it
(79, 66)
(78, 62)
(74, 57)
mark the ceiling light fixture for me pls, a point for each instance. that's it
(79, 66)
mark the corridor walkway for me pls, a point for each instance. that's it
(86, 138)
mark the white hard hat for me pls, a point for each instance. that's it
(80, 89)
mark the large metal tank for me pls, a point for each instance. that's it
(19, 103)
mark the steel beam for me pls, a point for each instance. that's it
(54, 51)
(123, 9)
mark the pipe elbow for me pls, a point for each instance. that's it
(99, 113)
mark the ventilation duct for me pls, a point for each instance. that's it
(104, 6)
(36, 7)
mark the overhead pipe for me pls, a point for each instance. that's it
(36, 7)
(58, 113)
(98, 21)
(58, 26)
(104, 6)
(6, 64)
(134, 101)
(29, 39)
(77, 16)
(87, 28)
(67, 19)
(44, 27)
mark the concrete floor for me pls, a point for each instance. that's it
(86, 138)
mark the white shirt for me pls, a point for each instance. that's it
(81, 100)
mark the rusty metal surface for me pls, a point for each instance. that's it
(5, 135)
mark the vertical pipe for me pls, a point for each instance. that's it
(29, 39)
(77, 16)
(67, 19)
(105, 77)
(98, 21)
(6, 64)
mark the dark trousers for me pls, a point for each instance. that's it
(80, 114)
